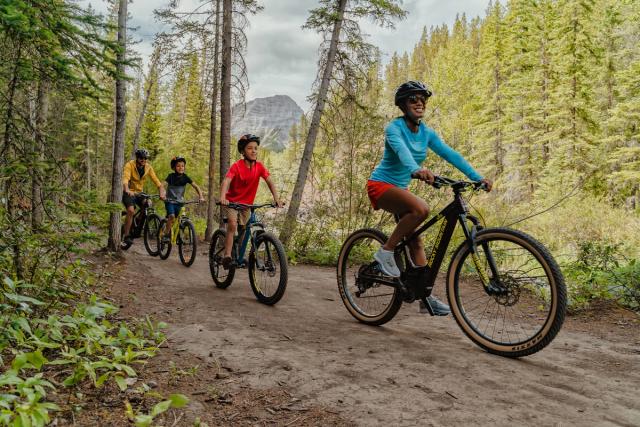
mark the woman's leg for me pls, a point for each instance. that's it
(412, 211)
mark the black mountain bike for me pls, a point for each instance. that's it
(505, 289)
(268, 271)
(145, 222)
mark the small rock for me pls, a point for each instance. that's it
(152, 384)
(222, 375)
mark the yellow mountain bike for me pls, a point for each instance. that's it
(182, 233)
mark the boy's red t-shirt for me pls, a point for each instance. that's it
(245, 181)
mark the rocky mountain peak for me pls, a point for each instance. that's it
(270, 118)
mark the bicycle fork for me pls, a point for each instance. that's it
(491, 285)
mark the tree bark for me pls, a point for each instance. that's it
(42, 112)
(151, 78)
(225, 96)
(118, 139)
(290, 219)
(211, 200)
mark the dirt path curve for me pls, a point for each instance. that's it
(416, 370)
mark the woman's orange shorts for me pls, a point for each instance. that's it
(375, 190)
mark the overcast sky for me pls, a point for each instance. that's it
(282, 58)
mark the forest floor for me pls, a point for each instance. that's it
(306, 361)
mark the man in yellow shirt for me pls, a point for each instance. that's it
(133, 178)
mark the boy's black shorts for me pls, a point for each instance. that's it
(127, 200)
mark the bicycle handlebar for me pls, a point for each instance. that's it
(237, 206)
(441, 181)
(147, 196)
(188, 202)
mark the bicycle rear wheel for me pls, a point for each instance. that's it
(221, 277)
(164, 243)
(187, 243)
(268, 273)
(368, 300)
(151, 240)
(523, 305)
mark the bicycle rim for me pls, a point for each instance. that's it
(187, 243)
(522, 311)
(221, 277)
(368, 301)
(268, 269)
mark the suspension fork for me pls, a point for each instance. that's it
(491, 286)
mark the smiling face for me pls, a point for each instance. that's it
(251, 151)
(141, 161)
(414, 106)
(180, 166)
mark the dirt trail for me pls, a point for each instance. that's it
(416, 370)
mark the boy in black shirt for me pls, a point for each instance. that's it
(176, 185)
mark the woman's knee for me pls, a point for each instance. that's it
(420, 210)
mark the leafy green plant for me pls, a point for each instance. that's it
(145, 420)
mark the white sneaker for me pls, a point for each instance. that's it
(387, 262)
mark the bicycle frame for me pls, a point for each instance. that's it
(454, 213)
(177, 221)
(248, 236)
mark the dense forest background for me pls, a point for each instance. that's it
(542, 96)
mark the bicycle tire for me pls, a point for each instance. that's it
(164, 247)
(151, 228)
(190, 241)
(260, 286)
(215, 261)
(529, 278)
(355, 301)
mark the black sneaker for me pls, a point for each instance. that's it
(128, 240)
(226, 262)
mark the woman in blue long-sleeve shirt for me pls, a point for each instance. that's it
(407, 141)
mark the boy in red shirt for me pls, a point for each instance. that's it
(240, 185)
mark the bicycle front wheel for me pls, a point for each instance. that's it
(187, 243)
(368, 300)
(151, 241)
(164, 240)
(221, 277)
(509, 298)
(268, 272)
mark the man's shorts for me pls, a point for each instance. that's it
(173, 208)
(242, 215)
(127, 200)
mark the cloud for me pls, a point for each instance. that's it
(282, 57)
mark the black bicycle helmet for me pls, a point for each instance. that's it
(245, 139)
(409, 88)
(177, 159)
(141, 153)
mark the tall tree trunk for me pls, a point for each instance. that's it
(296, 197)
(118, 140)
(211, 200)
(11, 187)
(225, 96)
(42, 112)
(151, 79)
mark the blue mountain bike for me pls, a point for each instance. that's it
(267, 261)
